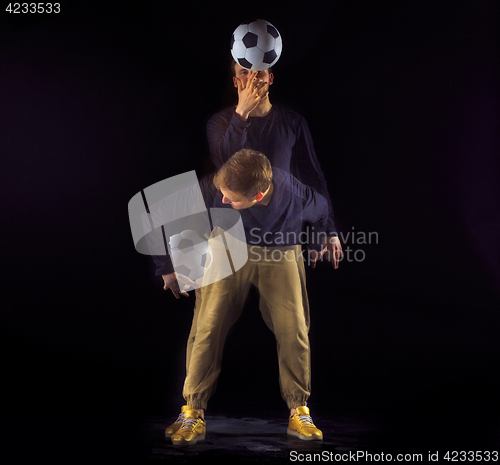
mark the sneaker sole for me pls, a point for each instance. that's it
(201, 437)
(304, 438)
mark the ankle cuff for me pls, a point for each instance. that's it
(197, 403)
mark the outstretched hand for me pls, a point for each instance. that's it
(332, 249)
(249, 95)
(171, 281)
(314, 256)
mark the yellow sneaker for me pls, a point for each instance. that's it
(192, 429)
(302, 426)
(177, 424)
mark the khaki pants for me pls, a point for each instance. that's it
(279, 275)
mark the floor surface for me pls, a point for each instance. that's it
(262, 438)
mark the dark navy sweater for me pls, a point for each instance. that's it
(296, 214)
(282, 136)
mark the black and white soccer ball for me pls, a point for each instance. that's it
(256, 45)
(191, 254)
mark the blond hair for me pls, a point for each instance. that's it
(247, 173)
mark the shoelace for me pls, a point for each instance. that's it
(305, 420)
(180, 418)
(188, 423)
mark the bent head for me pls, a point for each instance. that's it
(244, 179)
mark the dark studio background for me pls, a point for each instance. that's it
(103, 100)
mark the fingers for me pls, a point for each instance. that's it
(313, 257)
(252, 77)
(175, 293)
(251, 91)
(333, 252)
(253, 83)
(250, 81)
(173, 284)
(259, 86)
(337, 255)
(186, 282)
(186, 285)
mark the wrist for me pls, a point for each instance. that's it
(241, 114)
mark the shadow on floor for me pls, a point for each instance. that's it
(262, 438)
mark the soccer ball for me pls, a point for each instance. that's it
(256, 45)
(191, 254)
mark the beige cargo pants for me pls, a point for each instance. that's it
(279, 275)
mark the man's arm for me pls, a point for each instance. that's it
(307, 169)
(165, 269)
(317, 214)
(226, 134)
(171, 281)
(157, 238)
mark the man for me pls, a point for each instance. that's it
(283, 135)
(274, 208)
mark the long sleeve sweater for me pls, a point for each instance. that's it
(282, 135)
(295, 214)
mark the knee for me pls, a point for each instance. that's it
(206, 334)
(295, 337)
